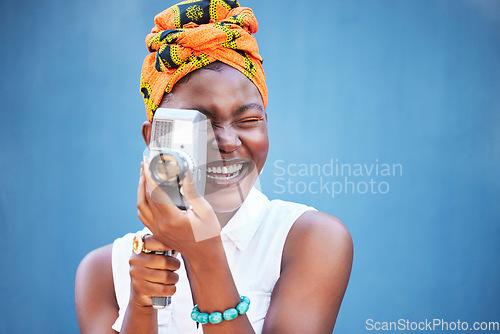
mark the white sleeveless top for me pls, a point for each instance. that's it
(253, 241)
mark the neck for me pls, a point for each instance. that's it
(224, 217)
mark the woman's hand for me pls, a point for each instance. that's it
(180, 230)
(152, 274)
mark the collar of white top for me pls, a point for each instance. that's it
(244, 224)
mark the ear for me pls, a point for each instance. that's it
(146, 132)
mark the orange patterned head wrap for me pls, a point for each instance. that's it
(193, 34)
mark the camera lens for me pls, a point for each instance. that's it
(168, 167)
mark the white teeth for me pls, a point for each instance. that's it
(225, 169)
(226, 172)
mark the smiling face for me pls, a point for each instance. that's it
(238, 148)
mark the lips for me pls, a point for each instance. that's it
(227, 172)
(224, 173)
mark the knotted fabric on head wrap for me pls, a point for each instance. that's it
(193, 34)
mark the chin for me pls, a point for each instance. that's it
(226, 195)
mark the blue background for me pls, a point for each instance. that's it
(411, 82)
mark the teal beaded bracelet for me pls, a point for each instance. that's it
(217, 317)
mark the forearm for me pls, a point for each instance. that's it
(140, 319)
(214, 290)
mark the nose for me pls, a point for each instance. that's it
(226, 139)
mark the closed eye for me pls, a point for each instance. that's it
(249, 122)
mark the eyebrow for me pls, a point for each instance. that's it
(236, 112)
(246, 107)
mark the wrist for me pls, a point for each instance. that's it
(206, 253)
(143, 310)
(217, 293)
(218, 317)
(141, 304)
(139, 319)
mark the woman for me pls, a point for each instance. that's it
(290, 262)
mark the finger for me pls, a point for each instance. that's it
(162, 290)
(148, 209)
(151, 289)
(200, 205)
(145, 159)
(143, 219)
(144, 212)
(153, 244)
(166, 277)
(157, 194)
(154, 275)
(154, 262)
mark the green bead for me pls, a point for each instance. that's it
(203, 318)
(245, 299)
(215, 318)
(194, 315)
(230, 314)
(242, 307)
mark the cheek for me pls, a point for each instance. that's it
(257, 144)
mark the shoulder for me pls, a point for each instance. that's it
(319, 235)
(285, 212)
(320, 226)
(96, 264)
(94, 290)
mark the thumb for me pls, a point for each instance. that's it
(202, 217)
(157, 194)
(200, 205)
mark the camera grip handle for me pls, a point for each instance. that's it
(162, 302)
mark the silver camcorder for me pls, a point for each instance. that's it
(178, 145)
